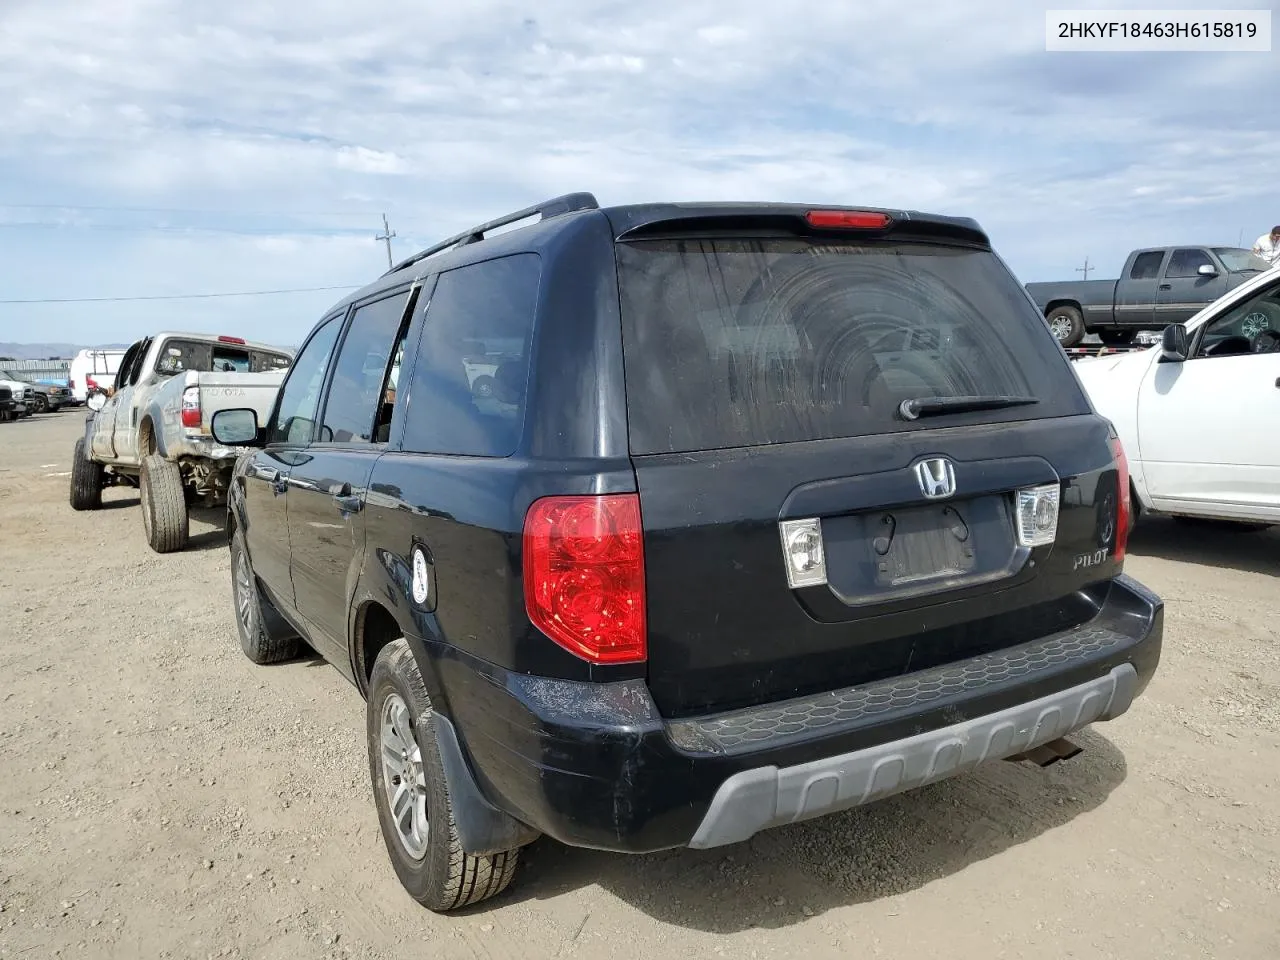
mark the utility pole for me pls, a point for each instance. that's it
(1085, 269)
(387, 234)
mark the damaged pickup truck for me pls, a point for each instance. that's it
(152, 432)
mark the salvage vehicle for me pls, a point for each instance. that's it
(1198, 413)
(23, 402)
(767, 511)
(153, 431)
(41, 397)
(93, 370)
(1159, 286)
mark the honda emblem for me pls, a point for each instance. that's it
(937, 478)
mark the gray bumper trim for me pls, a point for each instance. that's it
(754, 800)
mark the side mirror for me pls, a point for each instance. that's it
(1207, 270)
(1174, 346)
(236, 428)
(96, 401)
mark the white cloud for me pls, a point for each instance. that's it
(446, 115)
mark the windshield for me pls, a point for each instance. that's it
(739, 342)
(1238, 260)
(12, 375)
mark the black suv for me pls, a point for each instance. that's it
(658, 525)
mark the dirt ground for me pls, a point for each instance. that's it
(160, 796)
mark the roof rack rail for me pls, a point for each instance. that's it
(555, 207)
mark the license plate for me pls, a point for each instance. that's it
(922, 543)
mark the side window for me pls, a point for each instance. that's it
(1146, 266)
(1185, 263)
(357, 398)
(295, 418)
(469, 382)
(1249, 327)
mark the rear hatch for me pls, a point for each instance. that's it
(767, 364)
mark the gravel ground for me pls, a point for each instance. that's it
(162, 797)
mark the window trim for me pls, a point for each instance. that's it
(321, 412)
(339, 316)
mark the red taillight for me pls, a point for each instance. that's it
(231, 340)
(191, 407)
(854, 219)
(1123, 507)
(71, 384)
(584, 575)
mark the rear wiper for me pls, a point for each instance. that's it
(933, 406)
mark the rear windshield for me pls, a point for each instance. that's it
(179, 356)
(739, 342)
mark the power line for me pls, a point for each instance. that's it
(183, 296)
(241, 213)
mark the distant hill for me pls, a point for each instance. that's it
(42, 351)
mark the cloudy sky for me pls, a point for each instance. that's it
(160, 147)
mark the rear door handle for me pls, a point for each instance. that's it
(347, 501)
(1166, 286)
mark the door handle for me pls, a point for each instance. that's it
(1166, 286)
(347, 501)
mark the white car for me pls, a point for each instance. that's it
(1197, 414)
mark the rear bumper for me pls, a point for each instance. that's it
(594, 765)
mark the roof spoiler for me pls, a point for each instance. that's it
(555, 207)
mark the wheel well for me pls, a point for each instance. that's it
(1054, 304)
(146, 437)
(374, 630)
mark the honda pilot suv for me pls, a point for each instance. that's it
(659, 525)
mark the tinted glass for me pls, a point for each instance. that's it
(1185, 263)
(1238, 260)
(357, 392)
(300, 397)
(746, 342)
(469, 381)
(1146, 266)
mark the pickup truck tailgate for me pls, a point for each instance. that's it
(227, 391)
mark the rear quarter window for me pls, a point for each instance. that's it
(740, 342)
(470, 378)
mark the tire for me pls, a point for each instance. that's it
(164, 506)
(440, 875)
(265, 637)
(40, 403)
(1116, 338)
(86, 480)
(1067, 325)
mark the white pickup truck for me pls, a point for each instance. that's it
(1197, 415)
(153, 430)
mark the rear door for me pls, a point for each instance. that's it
(328, 485)
(764, 384)
(1184, 291)
(266, 474)
(1137, 291)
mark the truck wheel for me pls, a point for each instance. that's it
(1067, 325)
(164, 507)
(1116, 338)
(265, 637)
(40, 404)
(86, 480)
(412, 795)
